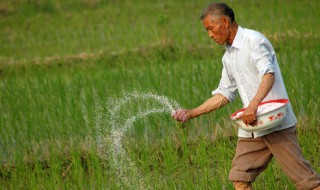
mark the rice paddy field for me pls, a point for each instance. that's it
(64, 63)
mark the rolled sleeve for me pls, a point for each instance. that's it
(267, 68)
(224, 92)
(263, 55)
(227, 86)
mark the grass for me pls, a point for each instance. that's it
(60, 61)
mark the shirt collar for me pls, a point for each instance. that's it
(237, 40)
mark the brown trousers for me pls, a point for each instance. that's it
(254, 154)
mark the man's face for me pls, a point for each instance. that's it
(216, 28)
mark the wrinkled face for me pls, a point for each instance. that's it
(217, 29)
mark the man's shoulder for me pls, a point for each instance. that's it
(253, 37)
(252, 34)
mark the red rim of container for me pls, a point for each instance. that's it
(284, 101)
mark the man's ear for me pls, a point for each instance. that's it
(225, 21)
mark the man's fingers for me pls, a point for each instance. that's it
(185, 117)
(249, 119)
(177, 114)
(180, 115)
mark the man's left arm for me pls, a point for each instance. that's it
(249, 116)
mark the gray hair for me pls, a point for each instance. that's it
(218, 10)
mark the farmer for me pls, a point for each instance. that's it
(250, 66)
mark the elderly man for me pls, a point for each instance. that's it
(250, 67)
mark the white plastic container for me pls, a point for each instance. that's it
(270, 114)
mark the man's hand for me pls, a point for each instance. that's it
(181, 115)
(213, 103)
(249, 116)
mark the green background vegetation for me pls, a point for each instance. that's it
(60, 60)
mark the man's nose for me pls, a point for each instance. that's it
(210, 33)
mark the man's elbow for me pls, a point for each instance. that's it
(270, 77)
(268, 80)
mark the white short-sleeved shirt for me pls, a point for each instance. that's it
(250, 56)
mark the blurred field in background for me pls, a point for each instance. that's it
(60, 60)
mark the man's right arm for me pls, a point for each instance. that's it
(215, 102)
